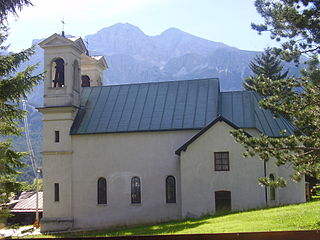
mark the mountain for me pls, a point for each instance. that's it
(133, 56)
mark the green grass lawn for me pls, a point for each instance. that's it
(304, 216)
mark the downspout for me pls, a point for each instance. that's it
(265, 187)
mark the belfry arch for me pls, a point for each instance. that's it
(85, 81)
(57, 73)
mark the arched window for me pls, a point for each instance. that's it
(170, 189)
(85, 81)
(102, 191)
(223, 201)
(57, 73)
(135, 190)
(272, 189)
(76, 76)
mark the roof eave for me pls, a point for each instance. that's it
(203, 130)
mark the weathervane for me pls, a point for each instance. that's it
(63, 23)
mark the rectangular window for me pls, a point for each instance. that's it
(221, 161)
(56, 136)
(56, 192)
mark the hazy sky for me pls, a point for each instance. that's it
(226, 21)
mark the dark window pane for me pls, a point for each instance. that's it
(56, 136)
(223, 201)
(135, 190)
(102, 191)
(272, 189)
(56, 192)
(170, 189)
(85, 81)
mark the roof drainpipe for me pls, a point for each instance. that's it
(265, 187)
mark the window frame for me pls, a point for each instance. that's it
(173, 190)
(102, 191)
(135, 190)
(221, 165)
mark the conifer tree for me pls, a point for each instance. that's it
(268, 65)
(297, 24)
(13, 88)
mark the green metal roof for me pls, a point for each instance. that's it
(173, 105)
(155, 106)
(242, 108)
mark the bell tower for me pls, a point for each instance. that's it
(62, 63)
(62, 59)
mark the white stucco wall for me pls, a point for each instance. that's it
(118, 158)
(294, 192)
(199, 180)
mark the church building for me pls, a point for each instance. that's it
(144, 153)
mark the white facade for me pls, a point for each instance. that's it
(73, 164)
(200, 181)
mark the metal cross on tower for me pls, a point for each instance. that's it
(63, 23)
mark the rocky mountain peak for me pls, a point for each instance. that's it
(173, 31)
(121, 28)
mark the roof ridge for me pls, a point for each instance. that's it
(168, 81)
(237, 91)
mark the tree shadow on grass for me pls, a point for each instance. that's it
(163, 228)
(171, 227)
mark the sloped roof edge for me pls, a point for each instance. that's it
(75, 42)
(203, 130)
(53, 36)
